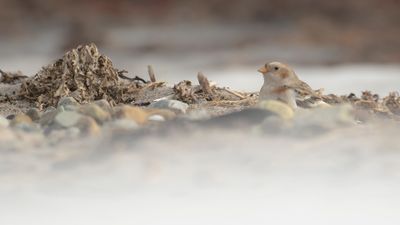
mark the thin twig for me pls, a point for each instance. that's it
(151, 73)
(237, 94)
(136, 78)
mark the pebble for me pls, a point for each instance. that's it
(10, 117)
(156, 118)
(67, 118)
(281, 109)
(20, 119)
(56, 136)
(174, 105)
(131, 113)
(166, 113)
(27, 127)
(198, 114)
(104, 104)
(96, 112)
(88, 126)
(34, 114)
(122, 124)
(69, 108)
(48, 116)
(50, 109)
(64, 101)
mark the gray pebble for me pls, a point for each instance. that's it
(64, 101)
(175, 105)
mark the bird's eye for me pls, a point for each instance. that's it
(276, 68)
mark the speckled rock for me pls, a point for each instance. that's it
(49, 109)
(69, 108)
(175, 105)
(64, 134)
(122, 124)
(67, 119)
(88, 126)
(28, 127)
(96, 112)
(198, 114)
(104, 104)
(48, 116)
(34, 114)
(20, 119)
(64, 101)
(131, 113)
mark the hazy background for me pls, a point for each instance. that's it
(227, 40)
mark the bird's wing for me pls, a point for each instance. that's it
(306, 97)
(303, 90)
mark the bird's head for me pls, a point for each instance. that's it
(278, 72)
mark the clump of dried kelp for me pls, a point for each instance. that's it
(389, 105)
(392, 102)
(12, 78)
(84, 74)
(206, 92)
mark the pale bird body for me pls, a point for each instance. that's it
(281, 83)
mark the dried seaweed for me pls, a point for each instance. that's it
(185, 92)
(12, 78)
(84, 74)
(392, 102)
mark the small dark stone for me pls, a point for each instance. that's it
(10, 117)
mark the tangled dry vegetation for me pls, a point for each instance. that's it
(388, 106)
(86, 75)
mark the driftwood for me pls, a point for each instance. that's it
(204, 84)
(151, 74)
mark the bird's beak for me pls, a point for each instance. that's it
(263, 70)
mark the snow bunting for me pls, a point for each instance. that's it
(281, 83)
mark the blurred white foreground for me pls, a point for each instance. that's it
(345, 176)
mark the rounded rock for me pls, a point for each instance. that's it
(156, 118)
(87, 125)
(64, 101)
(104, 104)
(20, 119)
(166, 113)
(67, 119)
(34, 114)
(122, 124)
(131, 113)
(27, 127)
(48, 116)
(175, 105)
(96, 112)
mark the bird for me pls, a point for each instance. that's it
(282, 83)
